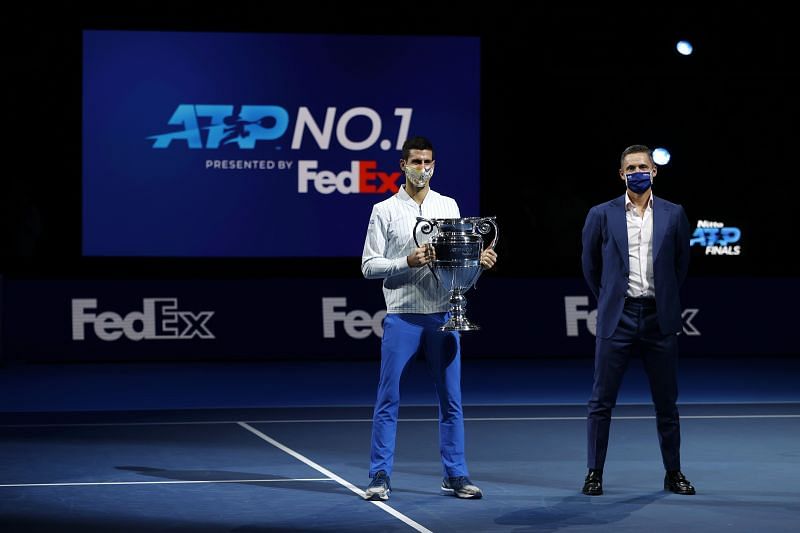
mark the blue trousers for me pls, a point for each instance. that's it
(637, 334)
(404, 336)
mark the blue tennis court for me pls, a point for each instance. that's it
(284, 467)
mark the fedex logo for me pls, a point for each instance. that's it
(158, 319)
(358, 324)
(574, 315)
(361, 178)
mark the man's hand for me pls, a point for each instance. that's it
(488, 258)
(422, 256)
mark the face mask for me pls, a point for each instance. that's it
(639, 182)
(419, 177)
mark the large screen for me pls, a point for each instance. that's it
(265, 145)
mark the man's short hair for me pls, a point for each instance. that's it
(416, 143)
(635, 149)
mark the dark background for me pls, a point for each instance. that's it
(564, 90)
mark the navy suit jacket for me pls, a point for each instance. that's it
(605, 261)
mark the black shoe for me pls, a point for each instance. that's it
(675, 481)
(593, 484)
(379, 488)
(461, 487)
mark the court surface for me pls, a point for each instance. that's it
(163, 461)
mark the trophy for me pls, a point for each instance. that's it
(458, 243)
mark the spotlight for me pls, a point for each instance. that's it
(684, 48)
(661, 156)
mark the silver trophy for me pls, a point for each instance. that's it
(458, 243)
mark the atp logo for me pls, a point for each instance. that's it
(227, 125)
(717, 238)
(214, 126)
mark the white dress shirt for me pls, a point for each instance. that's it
(390, 241)
(640, 249)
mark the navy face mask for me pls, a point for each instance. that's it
(639, 182)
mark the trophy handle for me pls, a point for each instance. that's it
(427, 228)
(485, 226)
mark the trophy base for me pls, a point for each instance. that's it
(459, 323)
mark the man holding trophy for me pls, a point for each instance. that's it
(417, 305)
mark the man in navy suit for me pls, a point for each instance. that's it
(635, 258)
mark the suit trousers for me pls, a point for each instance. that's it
(405, 336)
(637, 334)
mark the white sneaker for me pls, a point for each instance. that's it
(460, 487)
(379, 488)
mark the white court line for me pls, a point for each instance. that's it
(176, 482)
(643, 417)
(400, 516)
(345, 420)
